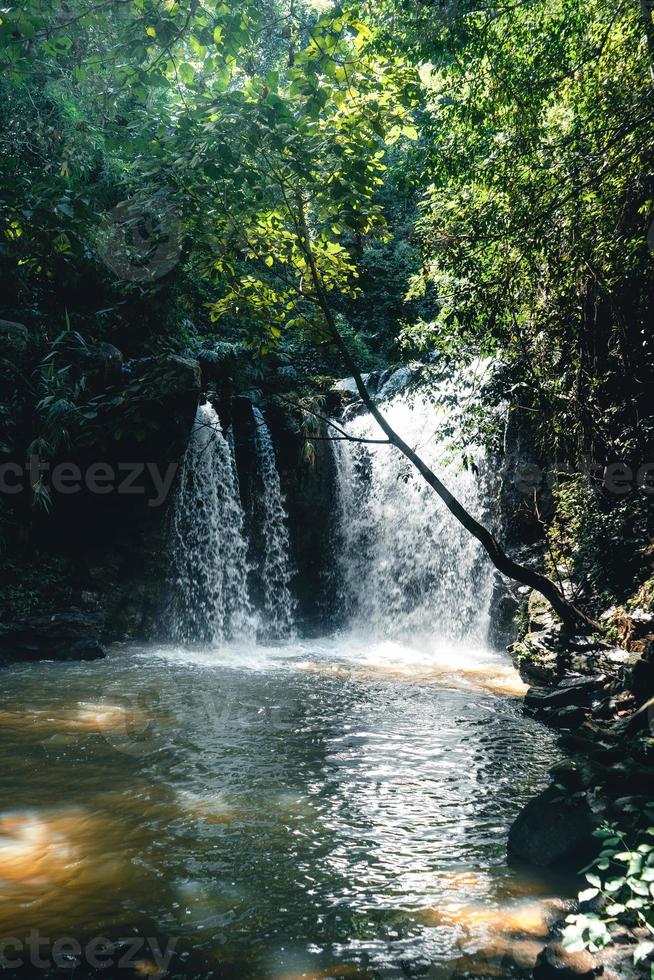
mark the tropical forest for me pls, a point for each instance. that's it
(327, 489)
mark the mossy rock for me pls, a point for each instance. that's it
(540, 613)
(537, 657)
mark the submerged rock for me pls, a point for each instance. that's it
(555, 962)
(415, 966)
(577, 691)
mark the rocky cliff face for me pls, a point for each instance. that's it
(97, 549)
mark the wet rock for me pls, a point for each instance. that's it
(308, 477)
(574, 774)
(547, 653)
(69, 635)
(569, 691)
(415, 966)
(87, 649)
(629, 776)
(583, 642)
(392, 383)
(557, 963)
(569, 717)
(541, 615)
(238, 412)
(537, 657)
(347, 389)
(504, 606)
(553, 829)
(615, 656)
(639, 675)
(380, 384)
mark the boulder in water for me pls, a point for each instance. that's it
(569, 691)
(554, 829)
(416, 965)
(392, 383)
(555, 962)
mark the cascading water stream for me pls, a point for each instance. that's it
(405, 566)
(325, 807)
(275, 566)
(210, 601)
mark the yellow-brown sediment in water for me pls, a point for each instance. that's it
(55, 866)
(211, 809)
(495, 680)
(84, 717)
(141, 834)
(495, 933)
(529, 918)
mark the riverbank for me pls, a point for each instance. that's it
(596, 692)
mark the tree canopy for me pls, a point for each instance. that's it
(449, 180)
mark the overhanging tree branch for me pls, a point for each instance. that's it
(572, 617)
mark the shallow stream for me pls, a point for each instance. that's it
(334, 807)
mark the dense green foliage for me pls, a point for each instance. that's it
(469, 183)
(621, 880)
(452, 180)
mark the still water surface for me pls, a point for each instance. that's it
(331, 807)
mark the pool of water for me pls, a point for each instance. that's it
(334, 807)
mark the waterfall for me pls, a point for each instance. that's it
(210, 599)
(275, 571)
(405, 566)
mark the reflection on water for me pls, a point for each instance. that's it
(323, 809)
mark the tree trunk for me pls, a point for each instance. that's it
(572, 618)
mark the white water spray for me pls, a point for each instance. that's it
(210, 601)
(276, 573)
(406, 567)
